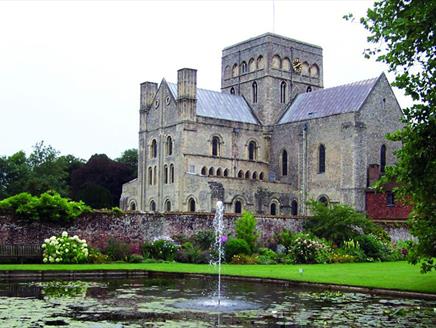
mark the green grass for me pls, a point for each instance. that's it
(390, 275)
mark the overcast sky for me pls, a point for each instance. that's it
(70, 71)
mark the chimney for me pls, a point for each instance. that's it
(187, 93)
(148, 91)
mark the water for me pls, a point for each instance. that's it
(219, 232)
(157, 301)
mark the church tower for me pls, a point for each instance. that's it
(269, 71)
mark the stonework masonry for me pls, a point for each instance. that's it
(256, 145)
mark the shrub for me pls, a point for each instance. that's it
(243, 259)
(204, 239)
(342, 258)
(245, 228)
(374, 248)
(65, 249)
(136, 258)
(49, 206)
(266, 256)
(117, 250)
(161, 249)
(339, 223)
(236, 246)
(285, 238)
(307, 250)
(96, 257)
(189, 253)
(352, 248)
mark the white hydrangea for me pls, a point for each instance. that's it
(64, 234)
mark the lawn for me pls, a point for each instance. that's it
(390, 275)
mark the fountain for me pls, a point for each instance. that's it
(219, 240)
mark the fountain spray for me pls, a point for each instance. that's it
(219, 228)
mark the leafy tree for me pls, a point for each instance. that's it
(245, 228)
(339, 223)
(403, 36)
(14, 174)
(130, 158)
(99, 173)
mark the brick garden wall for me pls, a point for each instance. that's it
(135, 228)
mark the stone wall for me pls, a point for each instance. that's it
(135, 228)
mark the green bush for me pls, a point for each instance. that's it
(266, 256)
(285, 238)
(136, 258)
(342, 258)
(204, 239)
(96, 257)
(374, 248)
(160, 250)
(117, 250)
(243, 259)
(306, 249)
(190, 253)
(236, 246)
(65, 249)
(339, 223)
(49, 206)
(352, 248)
(245, 228)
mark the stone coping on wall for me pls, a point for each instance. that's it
(22, 275)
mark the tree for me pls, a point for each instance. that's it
(14, 174)
(99, 174)
(130, 158)
(403, 36)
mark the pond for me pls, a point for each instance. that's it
(166, 301)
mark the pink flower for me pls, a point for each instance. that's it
(223, 239)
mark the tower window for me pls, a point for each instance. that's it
(232, 91)
(166, 174)
(168, 206)
(284, 163)
(191, 205)
(215, 146)
(155, 175)
(283, 92)
(169, 146)
(254, 87)
(260, 62)
(150, 176)
(273, 209)
(153, 149)
(203, 170)
(238, 207)
(294, 207)
(172, 173)
(235, 70)
(382, 158)
(243, 67)
(252, 151)
(321, 159)
(152, 206)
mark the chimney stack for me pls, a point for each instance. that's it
(187, 93)
(148, 91)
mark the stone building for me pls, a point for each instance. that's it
(273, 138)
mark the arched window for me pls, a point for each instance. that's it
(215, 146)
(273, 209)
(260, 62)
(203, 170)
(309, 89)
(232, 91)
(191, 205)
(240, 174)
(251, 65)
(152, 206)
(226, 172)
(155, 175)
(169, 146)
(283, 92)
(132, 206)
(382, 158)
(314, 71)
(323, 200)
(321, 159)
(211, 171)
(284, 162)
(235, 70)
(172, 173)
(294, 207)
(252, 149)
(286, 64)
(167, 206)
(305, 69)
(150, 176)
(227, 72)
(243, 67)
(166, 174)
(276, 62)
(261, 176)
(218, 172)
(247, 175)
(254, 94)
(254, 175)
(153, 149)
(238, 207)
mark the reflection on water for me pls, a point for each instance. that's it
(172, 302)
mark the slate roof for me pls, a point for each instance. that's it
(326, 102)
(220, 105)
